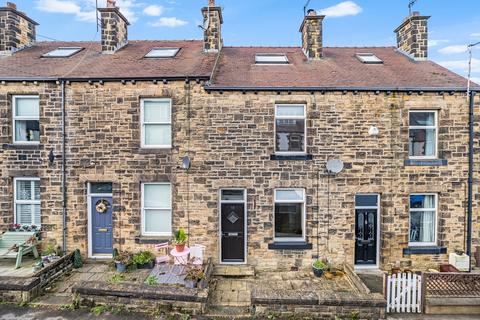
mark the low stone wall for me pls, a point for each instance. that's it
(142, 297)
(24, 289)
(452, 305)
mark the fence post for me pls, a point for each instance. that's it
(423, 292)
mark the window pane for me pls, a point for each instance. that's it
(291, 194)
(24, 213)
(290, 135)
(158, 221)
(271, 58)
(422, 118)
(422, 226)
(157, 196)
(231, 195)
(297, 111)
(422, 142)
(101, 187)
(37, 218)
(370, 200)
(158, 135)
(162, 53)
(27, 130)
(24, 190)
(27, 107)
(36, 186)
(420, 201)
(288, 220)
(156, 111)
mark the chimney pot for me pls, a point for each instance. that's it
(11, 5)
(416, 13)
(111, 3)
(311, 12)
(211, 3)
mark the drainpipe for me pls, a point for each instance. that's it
(470, 177)
(64, 174)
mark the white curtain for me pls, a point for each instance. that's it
(20, 130)
(429, 142)
(427, 233)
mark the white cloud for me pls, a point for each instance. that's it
(453, 49)
(475, 35)
(170, 22)
(58, 6)
(461, 65)
(436, 42)
(153, 10)
(342, 9)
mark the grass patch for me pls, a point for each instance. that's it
(116, 278)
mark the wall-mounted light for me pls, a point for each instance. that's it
(186, 163)
(373, 131)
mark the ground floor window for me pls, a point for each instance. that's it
(289, 215)
(27, 201)
(157, 209)
(423, 219)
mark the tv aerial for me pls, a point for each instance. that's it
(334, 166)
(411, 3)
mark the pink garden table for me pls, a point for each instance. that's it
(180, 257)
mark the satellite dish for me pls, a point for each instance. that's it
(334, 166)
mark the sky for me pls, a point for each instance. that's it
(453, 23)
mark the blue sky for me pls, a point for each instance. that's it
(275, 22)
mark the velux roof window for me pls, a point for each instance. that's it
(62, 52)
(368, 58)
(271, 58)
(162, 53)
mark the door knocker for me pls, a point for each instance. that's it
(102, 206)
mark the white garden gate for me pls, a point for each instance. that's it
(404, 293)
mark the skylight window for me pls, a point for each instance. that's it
(368, 58)
(62, 52)
(271, 58)
(162, 53)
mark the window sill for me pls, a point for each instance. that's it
(290, 246)
(152, 239)
(155, 150)
(282, 157)
(20, 146)
(425, 250)
(426, 162)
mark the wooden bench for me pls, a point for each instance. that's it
(10, 239)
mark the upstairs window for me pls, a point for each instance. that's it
(162, 53)
(289, 215)
(157, 209)
(26, 119)
(62, 52)
(368, 58)
(290, 129)
(27, 201)
(274, 58)
(422, 134)
(423, 219)
(156, 123)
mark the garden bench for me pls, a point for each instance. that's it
(11, 238)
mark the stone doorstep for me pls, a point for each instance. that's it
(233, 271)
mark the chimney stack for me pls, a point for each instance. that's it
(312, 39)
(17, 30)
(212, 27)
(412, 36)
(114, 28)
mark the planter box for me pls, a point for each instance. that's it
(148, 265)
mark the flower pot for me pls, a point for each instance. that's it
(180, 247)
(148, 265)
(121, 267)
(317, 272)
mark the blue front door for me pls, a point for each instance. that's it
(102, 229)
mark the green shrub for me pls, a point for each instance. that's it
(143, 257)
(318, 264)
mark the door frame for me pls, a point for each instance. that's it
(378, 207)
(244, 202)
(89, 218)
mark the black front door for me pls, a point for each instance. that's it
(366, 236)
(233, 232)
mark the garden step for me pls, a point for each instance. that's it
(228, 312)
(233, 271)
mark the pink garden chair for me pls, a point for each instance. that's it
(162, 248)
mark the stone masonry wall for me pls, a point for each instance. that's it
(412, 36)
(114, 30)
(213, 34)
(15, 31)
(312, 37)
(230, 142)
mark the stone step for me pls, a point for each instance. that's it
(52, 300)
(228, 312)
(233, 271)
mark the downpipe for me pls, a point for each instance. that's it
(64, 174)
(470, 176)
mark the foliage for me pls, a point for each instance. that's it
(116, 278)
(318, 264)
(151, 280)
(195, 273)
(180, 237)
(143, 257)
(101, 309)
(185, 316)
(77, 259)
(124, 257)
(24, 228)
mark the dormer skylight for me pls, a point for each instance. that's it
(271, 58)
(368, 58)
(162, 53)
(62, 52)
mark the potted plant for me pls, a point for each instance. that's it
(180, 239)
(318, 267)
(144, 260)
(122, 260)
(193, 276)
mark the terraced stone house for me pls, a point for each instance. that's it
(231, 144)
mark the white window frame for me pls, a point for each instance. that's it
(271, 62)
(15, 117)
(151, 55)
(304, 118)
(435, 112)
(143, 124)
(410, 210)
(303, 202)
(31, 202)
(161, 234)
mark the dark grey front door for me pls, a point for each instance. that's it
(102, 228)
(233, 232)
(366, 236)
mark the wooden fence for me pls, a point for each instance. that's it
(404, 293)
(451, 284)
